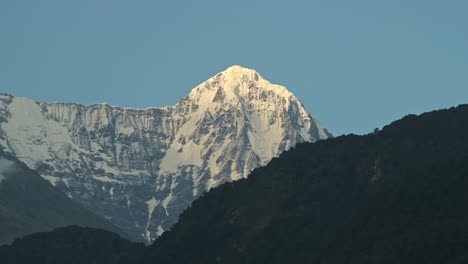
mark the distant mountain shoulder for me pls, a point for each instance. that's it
(29, 204)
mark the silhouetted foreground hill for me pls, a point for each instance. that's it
(72, 245)
(398, 196)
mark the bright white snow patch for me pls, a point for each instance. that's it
(32, 137)
(159, 230)
(51, 179)
(151, 205)
(181, 154)
(265, 139)
(106, 168)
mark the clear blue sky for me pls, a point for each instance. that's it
(356, 65)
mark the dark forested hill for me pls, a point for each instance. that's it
(72, 245)
(397, 196)
(29, 204)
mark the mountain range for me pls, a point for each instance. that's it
(397, 195)
(141, 168)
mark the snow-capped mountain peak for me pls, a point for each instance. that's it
(141, 168)
(235, 84)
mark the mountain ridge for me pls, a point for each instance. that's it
(393, 196)
(140, 168)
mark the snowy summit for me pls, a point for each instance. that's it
(141, 168)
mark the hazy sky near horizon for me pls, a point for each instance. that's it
(356, 65)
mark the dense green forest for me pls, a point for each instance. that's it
(398, 195)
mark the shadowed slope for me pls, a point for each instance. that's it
(29, 204)
(72, 245)
(398, 196)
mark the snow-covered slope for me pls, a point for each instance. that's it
(141, 168)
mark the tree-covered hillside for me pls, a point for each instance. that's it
(72, 245)
(395, 196)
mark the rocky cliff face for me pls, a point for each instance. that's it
(140, 168)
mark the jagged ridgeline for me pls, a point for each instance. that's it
(140, 168)
(395, 196)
